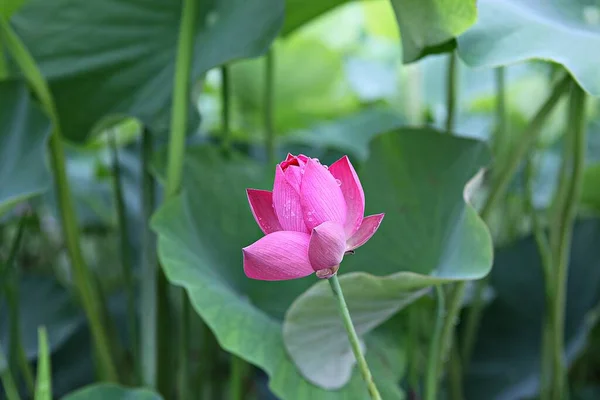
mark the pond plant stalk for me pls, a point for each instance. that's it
(561, 246)
(434, 359)
(175, 163)
(353, 337)
(84, 280)
(7, 380)
(499, 186)
(239, 367)
(149, 267)
(124, 252)
(9, 282)
(451, 91)
(269, 105)
(225, 109)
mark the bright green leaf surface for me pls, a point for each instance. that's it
(506, 358)
(201, 234)
(112, 392)
(125, 51)
(24, 132)
(425, 231)
(510, 31)
(430, 26)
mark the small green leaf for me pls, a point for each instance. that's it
(127, 57)
(43, 385)
(431, 26)
(24, 132)
(510, 31)
(112, 392)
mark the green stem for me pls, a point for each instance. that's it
(527, 139)
(435, 348)
(239, 369)
(148, 284)
(451, 86)
(268, 106)
(501, 118)
(225, 108)
(498, 189)
(455, 383)
(179, 119)
(538, 231)
(184, 346)
(457, 293)
(88, 291)
(213, 384)
(43, 387)
(125, 253)
(181, 98)
(562, 194)
(578, 133)
(353, 337)
(8, 383)
(9, 274)
(163, 323)
(414, 354)
(546, 259)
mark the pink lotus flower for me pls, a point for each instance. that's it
(312, 218)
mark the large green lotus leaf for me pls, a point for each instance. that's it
(201, 234)
(506, 359)
(43, 301)
(428, 229)
(202, 231)
(510, 31)
(314, 93)
(431, 26)
(112, 392)
(24, 132)
(117, 56)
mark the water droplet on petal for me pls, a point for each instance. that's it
(339, 183)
